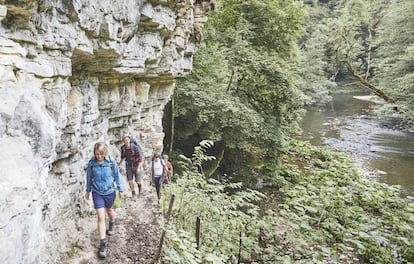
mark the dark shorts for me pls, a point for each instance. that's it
(131, 173)
(103, 201)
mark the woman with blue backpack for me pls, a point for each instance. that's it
(101, 173)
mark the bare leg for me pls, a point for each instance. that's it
(111, 214)
(131, 185)
(138, 180)
(101, 222)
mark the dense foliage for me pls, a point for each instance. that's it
(396, 58)
(256, 62)
(243, 91)
(367, 41)
(261, 61)
(324, 214)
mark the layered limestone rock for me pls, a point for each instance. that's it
(73, 73)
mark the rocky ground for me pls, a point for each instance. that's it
(136, 239)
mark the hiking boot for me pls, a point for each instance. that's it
(103, 248)
(133, 193)
(110, 230)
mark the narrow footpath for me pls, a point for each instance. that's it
(136, 237)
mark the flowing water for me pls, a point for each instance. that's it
(346, 125)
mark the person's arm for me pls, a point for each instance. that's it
(165, 169)
(119, 161)
(88, 181)
(138, 159)
(151, 172)
(117, 178)
(171, 169)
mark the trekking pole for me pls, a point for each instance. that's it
(157, 256)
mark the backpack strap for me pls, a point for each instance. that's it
(162, 161)
(123, 151)
(134, 149)
(111, 160)
(164, 169)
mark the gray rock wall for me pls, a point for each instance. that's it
(73, 73)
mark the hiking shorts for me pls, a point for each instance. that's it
(103, 201)
(131, 173)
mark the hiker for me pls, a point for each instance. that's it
(133, 163)
(101, 173)
(169, 169)
(157, 173)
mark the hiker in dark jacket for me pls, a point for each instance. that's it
(133, 164)
(101, 173)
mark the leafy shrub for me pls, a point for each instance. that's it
(326, 214)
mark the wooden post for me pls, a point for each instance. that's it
(240, 246)
(198, 232)
(157, 256)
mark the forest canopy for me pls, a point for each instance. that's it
(243, 91)
(261, 62)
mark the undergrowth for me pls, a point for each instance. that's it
(325, 213)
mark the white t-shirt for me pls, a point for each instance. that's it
(158, 168)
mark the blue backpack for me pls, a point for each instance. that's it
(141, 151)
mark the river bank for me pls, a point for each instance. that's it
(348, 125)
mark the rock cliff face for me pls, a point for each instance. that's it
(73, 73)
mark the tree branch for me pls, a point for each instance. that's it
(368, 84)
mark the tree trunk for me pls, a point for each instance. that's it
(172, 125)
(233, 72)
(169, 126)
(367, 72)
(212, 169)
(368, 84)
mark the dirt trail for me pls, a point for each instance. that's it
(136, 237)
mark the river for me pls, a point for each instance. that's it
(347, 125)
